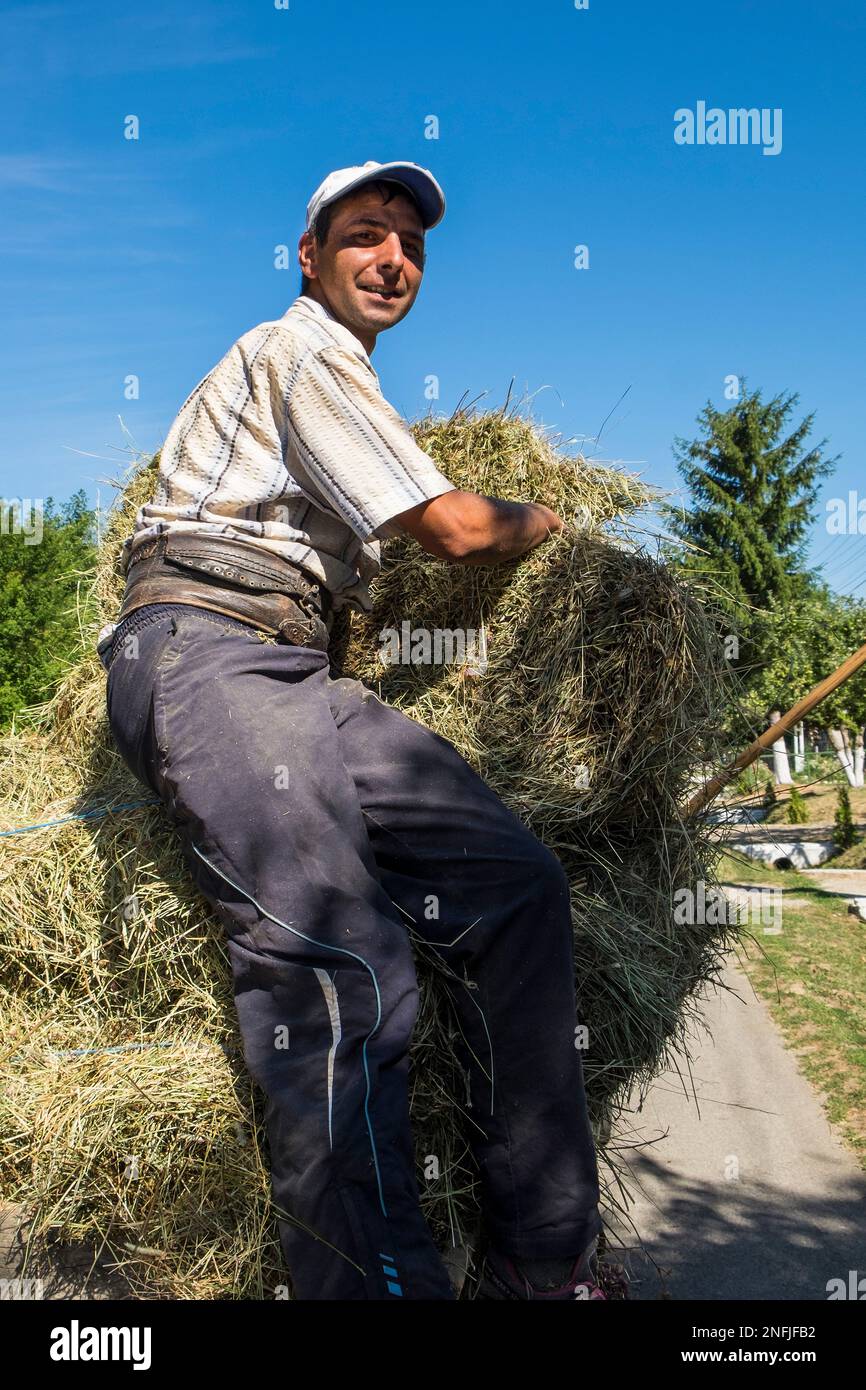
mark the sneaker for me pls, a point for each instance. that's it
(501, 1278)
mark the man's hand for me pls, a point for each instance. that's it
(469, 529)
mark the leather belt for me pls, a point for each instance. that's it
(230, 577)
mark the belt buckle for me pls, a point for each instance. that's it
(298, 633)
(145, 551)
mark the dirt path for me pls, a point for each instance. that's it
(748, 1193)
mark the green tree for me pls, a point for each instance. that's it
(797, 812)
(845, 833)
(797, 646)
(39, 627)
(753, 483)
(843, 634)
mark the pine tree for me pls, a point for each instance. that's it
(753, 485)
(797, 811)
(39, 621)
(845, 834)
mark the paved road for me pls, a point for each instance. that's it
(747, 1193)
(847, 883)
(65, 1272)
(779, 831)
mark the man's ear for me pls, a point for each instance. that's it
(307, 256)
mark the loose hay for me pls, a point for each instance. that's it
(598, 705)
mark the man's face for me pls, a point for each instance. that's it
(371, 264)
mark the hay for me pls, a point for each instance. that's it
(597, 707)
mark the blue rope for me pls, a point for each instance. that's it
(126, 1047)
(83, 815)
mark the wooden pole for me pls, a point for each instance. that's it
(777, 730)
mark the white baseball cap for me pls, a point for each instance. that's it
(420, 183)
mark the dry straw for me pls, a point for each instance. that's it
(126, 1114)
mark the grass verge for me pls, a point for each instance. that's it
(813, 979)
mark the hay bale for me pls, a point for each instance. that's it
(601, 693)
(149, 1148)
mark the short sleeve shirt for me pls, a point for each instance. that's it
(289, 443)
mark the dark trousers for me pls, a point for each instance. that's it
(318, 821)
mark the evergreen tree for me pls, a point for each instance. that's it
(845, 834)
(753, 484)
(39, 624)
(797, 812)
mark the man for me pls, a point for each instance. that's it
(316, 819)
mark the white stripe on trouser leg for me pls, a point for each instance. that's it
(330, 993)
(343, 951)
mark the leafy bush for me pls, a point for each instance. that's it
(796, 811)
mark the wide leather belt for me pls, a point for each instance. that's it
(231, 577)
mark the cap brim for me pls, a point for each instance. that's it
(423, 187)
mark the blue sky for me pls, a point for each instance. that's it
(556, 125)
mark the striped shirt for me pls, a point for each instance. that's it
(289, 443)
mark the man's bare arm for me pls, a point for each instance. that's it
(470, 529)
